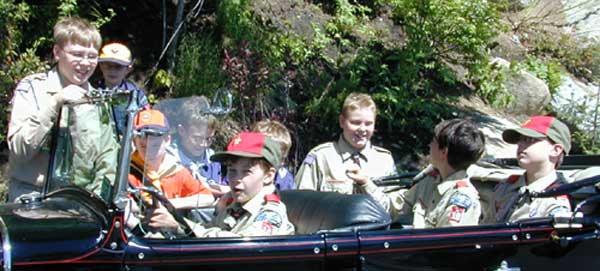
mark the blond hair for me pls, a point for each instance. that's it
(193, 112)
(77, 31)
(276, 131)
(355, 101)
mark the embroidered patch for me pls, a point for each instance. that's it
(456, 214)
(266, 227)
(270, 217)
(310, 159)
(461, 200)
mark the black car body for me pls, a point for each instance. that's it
(70, 228)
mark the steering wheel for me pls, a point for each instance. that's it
(157, 195)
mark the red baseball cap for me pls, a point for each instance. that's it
(253, 145)
(151, 120)
(541, 127)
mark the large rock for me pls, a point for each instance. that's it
(530, 93)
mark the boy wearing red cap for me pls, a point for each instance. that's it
(251, 207)
(152, 166)
(542, 141)
(115, 62)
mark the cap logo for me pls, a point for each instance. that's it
(145, 117)
(237, 140)
(526, 122)
(114, 50)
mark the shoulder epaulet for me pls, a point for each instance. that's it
(272, 198)
(322, 146)
(513, 179)
(380, 149)
(462, 183)
(36, 76)
(433, 173)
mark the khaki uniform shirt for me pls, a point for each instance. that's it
(32, 118)
(263, 215)
(433, 202)
(510, 206)
(324, 168)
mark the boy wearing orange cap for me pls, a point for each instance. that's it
(542, 142)
(115, 62)
(252, 208)
(151, 165)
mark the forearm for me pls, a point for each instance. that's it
(194, 201)
(29, 130)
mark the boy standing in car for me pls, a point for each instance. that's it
(325, 166)
(542, 142)
(38, 99)
(284, 179)
(116, 63)
(445, 197)
(252, 208)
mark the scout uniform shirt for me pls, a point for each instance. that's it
(433, 202)
(263, 215)
(324, 168)
(510, 206)
(32, 118)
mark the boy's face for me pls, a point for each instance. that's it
(152, 148)
(358, 127)
(195, 139)
(437, 156)
(247, 178)
(113, 73)
(533, 152)
(76, 62)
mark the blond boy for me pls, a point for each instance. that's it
(284, 179)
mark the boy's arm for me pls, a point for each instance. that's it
(30, 121)
(308, 175)
(462, 209)
(194, 193)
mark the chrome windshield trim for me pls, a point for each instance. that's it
(6, 246)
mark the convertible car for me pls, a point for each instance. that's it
(71, 227)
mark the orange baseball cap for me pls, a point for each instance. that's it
(151, 120)
(115, 52)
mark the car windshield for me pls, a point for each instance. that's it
(85, 147)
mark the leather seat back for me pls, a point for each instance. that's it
(313, 211)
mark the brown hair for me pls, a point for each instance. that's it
(464, 140)
(276, 131)
(76, 30)
(355, 101)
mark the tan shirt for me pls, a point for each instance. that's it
(263, 215)
(32, 117)
(510, 207)
(433, 202)
(324, 168)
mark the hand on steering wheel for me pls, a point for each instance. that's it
(163, 215)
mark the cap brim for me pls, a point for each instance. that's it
(513, 136)
(120, 62)
(222, 156)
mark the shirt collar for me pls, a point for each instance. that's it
(346, 150)
(450, 181)
(55, 82)
(541, 183)
(254, 204)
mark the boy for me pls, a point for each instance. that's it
(152, 166)
(542, 141)
(38, 99)
(251, 208)
(284, 179)
(445, 197)
(116, 63)
(325, 166)
(195, 134)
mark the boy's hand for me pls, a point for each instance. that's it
(160, 218)
(357, 176)
(70, 94)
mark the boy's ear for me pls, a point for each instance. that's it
(55, 50)
(557, 150)
(269, 176)
(341, 120)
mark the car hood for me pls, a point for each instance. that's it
(55, 229)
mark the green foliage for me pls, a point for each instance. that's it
(162, 79)
(198, 69)
(491, 85)
(68, 8)
(549, 71)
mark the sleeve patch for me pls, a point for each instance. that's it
(310, 159)
(461, 200)
(269, 217)
(456, 214)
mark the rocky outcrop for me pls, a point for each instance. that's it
(530, 93)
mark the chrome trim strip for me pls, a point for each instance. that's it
(6, 247)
